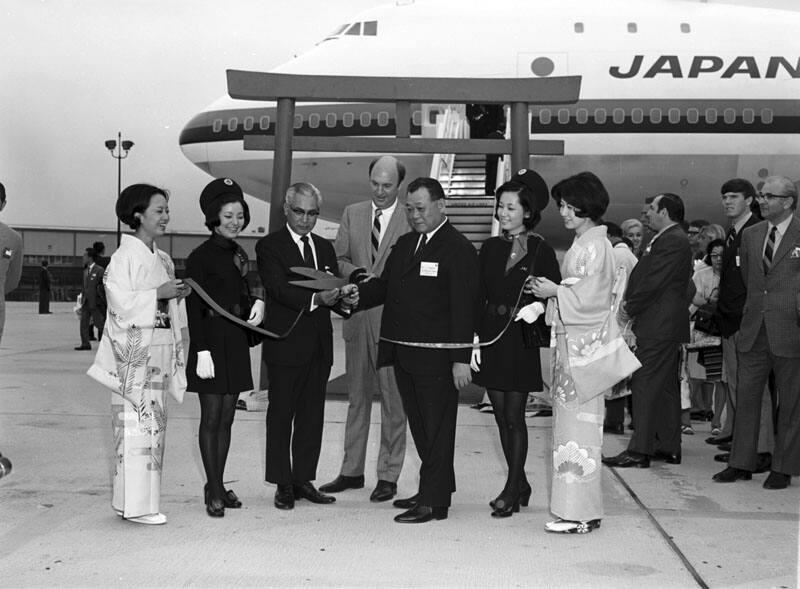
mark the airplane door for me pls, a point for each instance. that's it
(542, 64)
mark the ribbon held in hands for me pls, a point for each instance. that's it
(320, 280)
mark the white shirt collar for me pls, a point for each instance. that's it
(782, 226)
(296, 236)
(385, 213)
(738, 225)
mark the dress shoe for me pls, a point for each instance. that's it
(565, 526)
(342, 483)
(724, 457)
(614, 429)
(725, 447)
(231, 501)
(215, 508)
(421, 514)
(152, 519)
(409, 503)
(480, 405)
(628, 459)
(307, 491)
(525, 491)
(384, 491)
(731, 475)
(284, 497)
(86, 347)
(668, 457)
(763, 462)
(716, 441)
(505, 505)
(777, 480)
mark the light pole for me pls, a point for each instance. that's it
(120, 146)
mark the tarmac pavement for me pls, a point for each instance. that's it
(667, 526)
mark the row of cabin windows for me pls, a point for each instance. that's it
(656, 115)
(545, 116)
(632, 27)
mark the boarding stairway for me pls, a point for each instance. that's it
(463, 177)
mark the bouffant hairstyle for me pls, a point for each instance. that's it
(212, 214)
(526, 199)
(585, 192)
(135, 199)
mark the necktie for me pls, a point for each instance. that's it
(731, 237)
(421, 245)
(308, 255)
(769, 249)
(376, 234)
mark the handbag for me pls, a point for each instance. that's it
(705, 320)
(536, 334)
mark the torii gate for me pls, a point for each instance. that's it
(287, 89)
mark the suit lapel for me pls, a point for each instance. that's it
(293, 254)
(787, 241)
(392, 232)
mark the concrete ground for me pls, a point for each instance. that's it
(667, 526)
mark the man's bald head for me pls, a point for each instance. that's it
(386, 174)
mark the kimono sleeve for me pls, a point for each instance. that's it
(129, 304)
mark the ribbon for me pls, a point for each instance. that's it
(459, 345)
(213, 304)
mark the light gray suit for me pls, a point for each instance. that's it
(361, 332)
(10, 266)
(769, 339)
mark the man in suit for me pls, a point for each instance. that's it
(93, 307)
(367, 233)
(45, 284)
(10, 260)
(429, 288)
(738, 200)
(769, 336)
(656, 300)
(300, 364)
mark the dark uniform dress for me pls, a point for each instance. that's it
(212, 265)
(508, 365)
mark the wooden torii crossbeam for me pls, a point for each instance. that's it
(287, 89)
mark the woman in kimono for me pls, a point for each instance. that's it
(140, 357)
(218, 367)
(588, 357)
(510, 367)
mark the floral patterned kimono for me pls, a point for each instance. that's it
(588, 359)
(140, 358)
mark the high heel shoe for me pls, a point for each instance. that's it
(504, 506)
(231, 500)
(525, 495)
(215, 508)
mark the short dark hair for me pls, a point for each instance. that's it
(699, 223)
(585, 192)
(430, 184)
(739, 185)
(2, 193)
(612, 229)
(135, 199)
(99, 247)
(712, 244)
(45, 263)
(673, 204)
(214, 208)
(92, 253)
(401, 169)
(526, 200)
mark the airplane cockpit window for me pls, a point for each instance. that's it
(686, 27)
(632, 28)
(371, 28)
(336, 32)
(355, 29)
(578, 27)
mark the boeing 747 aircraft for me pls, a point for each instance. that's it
(676, 96)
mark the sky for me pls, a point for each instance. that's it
(74, 72)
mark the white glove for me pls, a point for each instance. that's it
(256, 313)
(530, 313)
(205, 365)
(475, 361)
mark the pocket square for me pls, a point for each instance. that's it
(795, 252)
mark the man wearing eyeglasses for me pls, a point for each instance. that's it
(769, 336)
(298, 365)
(738, 202)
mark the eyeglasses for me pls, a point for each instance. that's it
(770, 196)
(303, 213)
(693, 231)
(715, 255)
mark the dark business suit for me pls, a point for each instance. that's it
(432, 308)
(656, 300)
(45, 280)
(300, 364)
(93, 307)
(732, 295)
(769, 339)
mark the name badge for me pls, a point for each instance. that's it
(738, 262)
(429, 269)
(7, 253)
